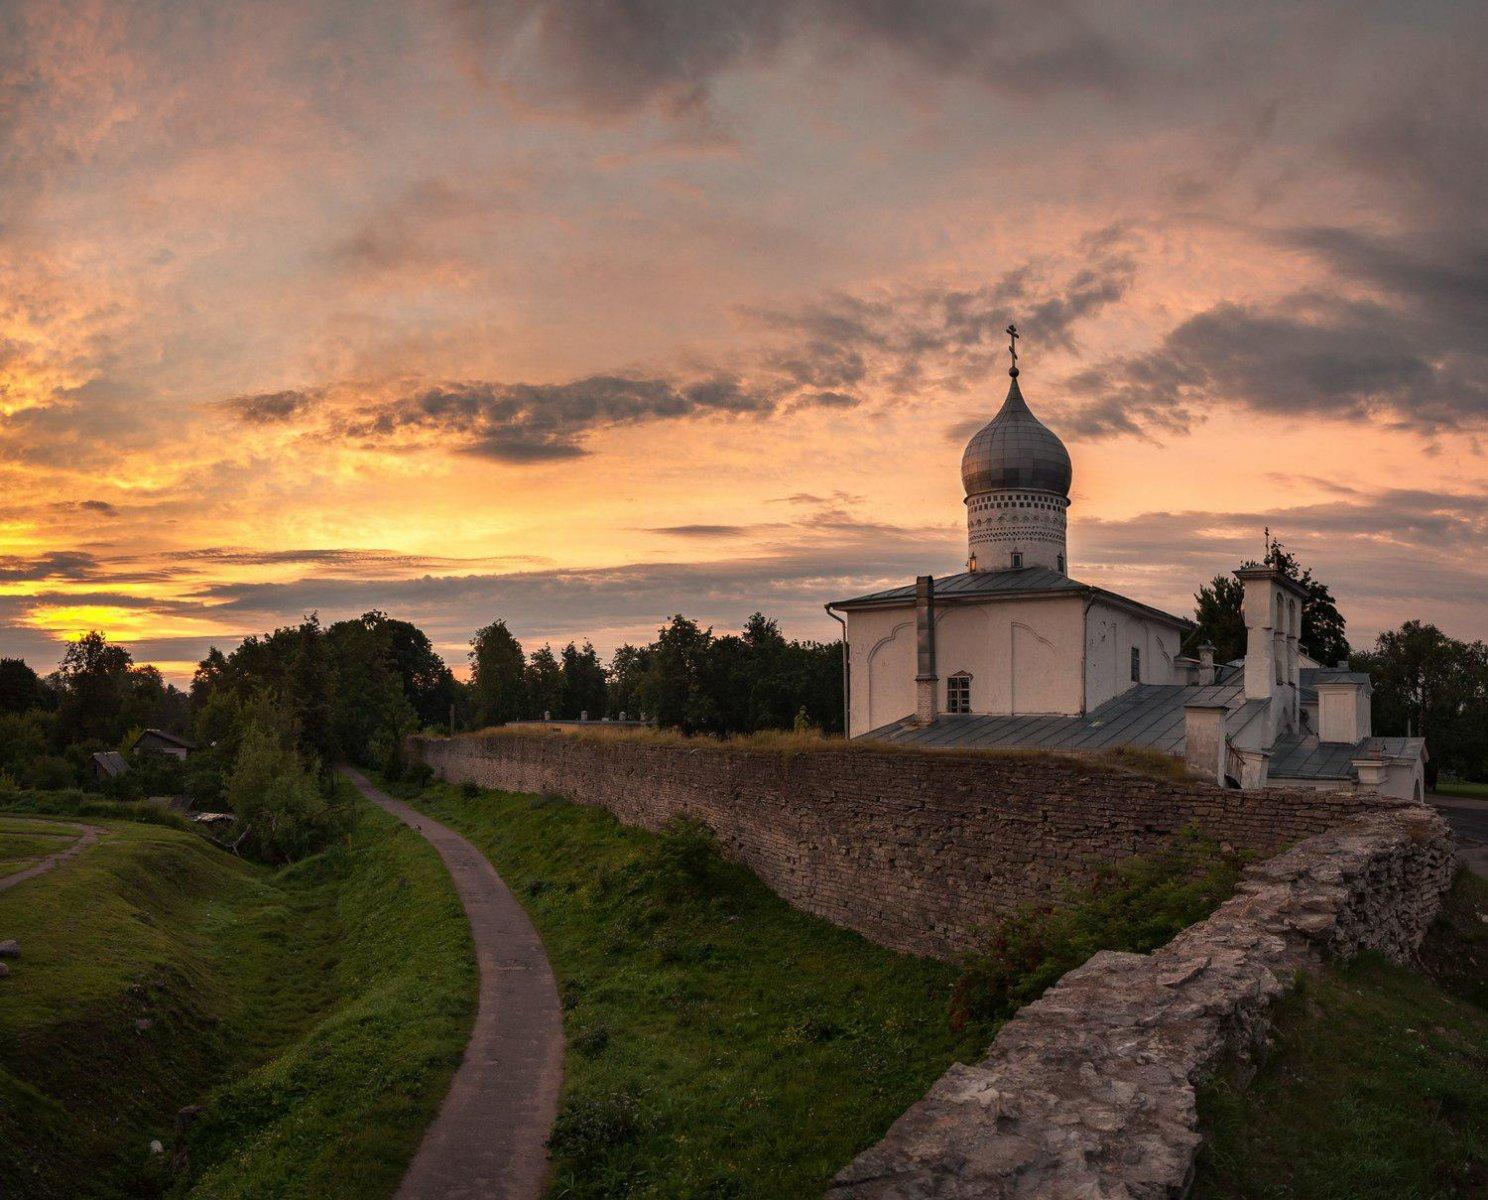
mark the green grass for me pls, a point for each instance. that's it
(1377, 1086)
(720, 1043)
(1472, 791)
(317, 1012)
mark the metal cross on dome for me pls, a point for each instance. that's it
(1012, 332)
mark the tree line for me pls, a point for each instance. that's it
(273, 715)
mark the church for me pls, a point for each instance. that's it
(1014, 653)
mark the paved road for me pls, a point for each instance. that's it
(1471, 823)
(489, 1140)
(88, 835)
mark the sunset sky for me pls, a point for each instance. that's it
(584, 314)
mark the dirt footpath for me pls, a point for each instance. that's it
(489, 1139)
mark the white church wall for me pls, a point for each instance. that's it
(1110, 634)
(881, 666)
(1023, 657)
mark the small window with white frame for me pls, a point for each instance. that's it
(1017, 559)
(958, 693)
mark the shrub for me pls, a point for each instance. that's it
(1136, 906)
(589, 1128)
(685, 860)
(281, 813)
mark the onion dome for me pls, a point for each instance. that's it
(1015, 450)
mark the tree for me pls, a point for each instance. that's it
(628, 667)
(584, 685)
(1323, 627)
(281, 813)
(20, 687)
(1219, 613)
(543, 679)
(498, 690)
(1220, 619)
(1436, 687)
(677, 688)
(103, 693)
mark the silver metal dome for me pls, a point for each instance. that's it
(1015, 450)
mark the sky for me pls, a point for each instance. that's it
(582, 314)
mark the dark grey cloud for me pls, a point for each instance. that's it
(56, 564)
(904, 338)
(704, 531)
(813, 356)
(513, 422)
(1394, 332)
(612, 59)
(1388, 557)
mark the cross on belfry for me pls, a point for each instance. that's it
(1012, 332)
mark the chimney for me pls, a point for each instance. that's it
(1206, 664)
(1204, 740)
(925, 678)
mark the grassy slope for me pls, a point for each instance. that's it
(339, 1112)
(721, 1044)
(338, 993)
(1377, 1086)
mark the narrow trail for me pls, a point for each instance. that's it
(88, 835)
(489, 1139)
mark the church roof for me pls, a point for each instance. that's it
(1148, 715)
(1015, 450)
(1308, 758)
(1020, 583)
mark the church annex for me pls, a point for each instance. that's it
(1013, 653)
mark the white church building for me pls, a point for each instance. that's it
(1013, 653)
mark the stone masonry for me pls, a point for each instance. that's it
(1089, 1092)
(918, 851)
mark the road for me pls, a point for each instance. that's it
(489, 1141)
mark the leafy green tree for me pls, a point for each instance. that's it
(498, 689)
(1220, 619)
(281, 813)
(678, 688)
(544, 682)
(1219, 614)
(1323, 627)
(1436, 687)
(584, 685)
(20, 687)
(628, 667)
(103, 693)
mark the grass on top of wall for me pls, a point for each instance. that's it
(317, 1012)
(1376, 1087)
(1138, 760)
(722, 1043)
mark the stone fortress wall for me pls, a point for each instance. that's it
(1091, 1089)
(916, 851)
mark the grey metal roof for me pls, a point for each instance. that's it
(1308, 758)
(1312, 676)
(979, 583)
(1149, 714)
(1021, 581)
(1015, 450)
(111, 762)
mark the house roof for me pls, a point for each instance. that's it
(1312, 676)
(170, 738)
(110, 762)
(1022, 582)
(1308, 758)
(1149, 714)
